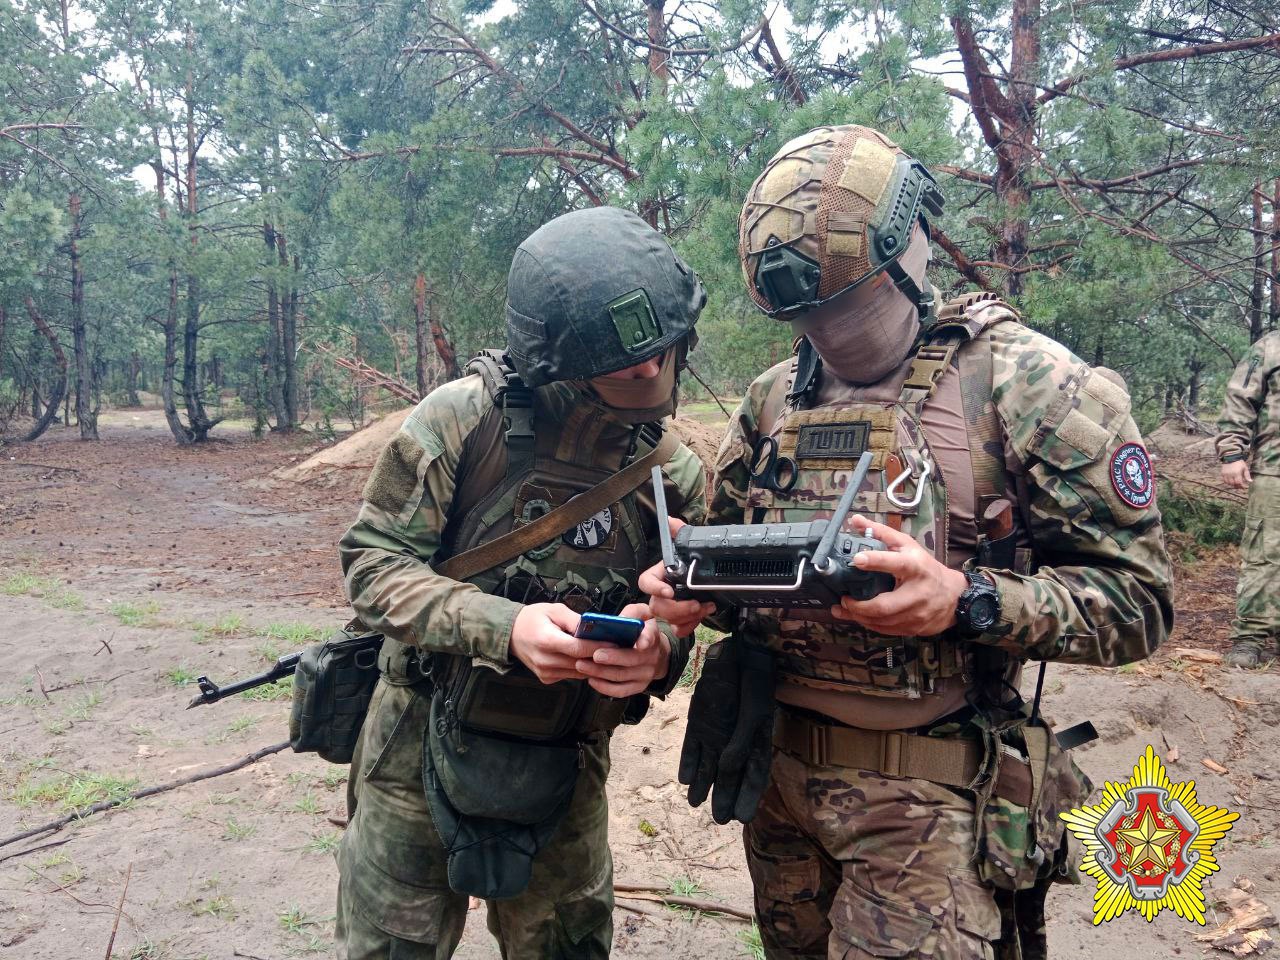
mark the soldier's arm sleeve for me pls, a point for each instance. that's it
(1245, 393)
(684, 470)
(385, 554)
(1102, 592)
(732, 477)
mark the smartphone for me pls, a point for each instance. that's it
(622, 631)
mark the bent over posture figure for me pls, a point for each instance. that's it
(483, 760)
(909, 798)
(1248, 446)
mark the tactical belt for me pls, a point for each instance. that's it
(953, 761)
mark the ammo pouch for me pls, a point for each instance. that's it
(1020, 847)
(495, 800)
(332, 685)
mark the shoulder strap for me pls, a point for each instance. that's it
(530, 535)
(515, 400)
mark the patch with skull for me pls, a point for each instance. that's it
(1132, 476)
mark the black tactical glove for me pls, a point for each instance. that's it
(728, 742)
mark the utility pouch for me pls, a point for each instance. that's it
(515, 703)
(1021, 846)
(495, 801)
(332, 685)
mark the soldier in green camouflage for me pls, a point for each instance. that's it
(1011, 488)
(600, 315)
(1248, 446)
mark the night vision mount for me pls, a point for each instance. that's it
(797, 565)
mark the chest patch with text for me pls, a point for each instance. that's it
(832, 440)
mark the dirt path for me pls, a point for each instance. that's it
(129, 566)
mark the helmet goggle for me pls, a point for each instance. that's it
(789, 281)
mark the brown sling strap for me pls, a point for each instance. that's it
(549, 525)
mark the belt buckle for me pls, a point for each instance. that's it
(819, 744)
(891, 753)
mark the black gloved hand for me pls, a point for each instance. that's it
(728, 743)
(743, 771)
(713, 714)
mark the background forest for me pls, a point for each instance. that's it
(231, 204)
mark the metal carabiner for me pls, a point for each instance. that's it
(925, 466)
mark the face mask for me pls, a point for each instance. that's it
(865, 335)
(639, 400)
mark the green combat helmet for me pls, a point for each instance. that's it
(832, 209)
(596, 291)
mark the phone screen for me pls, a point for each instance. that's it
(622, 631)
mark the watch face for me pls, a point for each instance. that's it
(983, 611)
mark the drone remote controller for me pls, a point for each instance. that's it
(805, 565)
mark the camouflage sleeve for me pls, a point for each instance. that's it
(385, 554)
(1246, 391)
(729, 485)
(1102, 592)
(686, 471)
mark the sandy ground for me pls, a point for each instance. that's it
(130, 566)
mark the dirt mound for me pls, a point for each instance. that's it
(347, 463)
(701, 438)
(1172, 438)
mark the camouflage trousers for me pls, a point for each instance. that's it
(1258, 590)
(394, 900)
(848, 864)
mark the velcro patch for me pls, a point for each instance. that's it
(822, 440)
(1132, 475)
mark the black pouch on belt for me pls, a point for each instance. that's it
(332, 685)
(495, 800)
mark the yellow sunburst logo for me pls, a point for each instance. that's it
(1149, 844)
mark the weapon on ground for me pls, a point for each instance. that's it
(363, 650)
(797, 565)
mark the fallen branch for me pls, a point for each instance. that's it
(632, 891)
(115, 927)
(104, 805)
(43, 846)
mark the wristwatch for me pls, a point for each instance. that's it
(978, 609)
(1232, 458)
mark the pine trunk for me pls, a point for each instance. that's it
(1259, 267)
(85, 416)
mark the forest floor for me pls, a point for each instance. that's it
(130, 566)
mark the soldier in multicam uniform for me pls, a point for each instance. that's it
(912, 800)
(600, 315)
(1248, 445)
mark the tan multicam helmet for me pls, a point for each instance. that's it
(832, 209)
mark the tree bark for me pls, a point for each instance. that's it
(85, 416)
(275, 350)
(448, 356)
(168, 393)
(420, 331)
(1259, 266)
(1275, 256)
(658, 55)
(199, 422)
(60, 359)
(131, 380)
(288, 338)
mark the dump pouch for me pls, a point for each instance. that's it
(495, 801)
(1024, 846)
(332, 686)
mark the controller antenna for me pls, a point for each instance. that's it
(674, 566)
(821, 556)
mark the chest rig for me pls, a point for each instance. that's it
(905, 489)
(529, 454)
